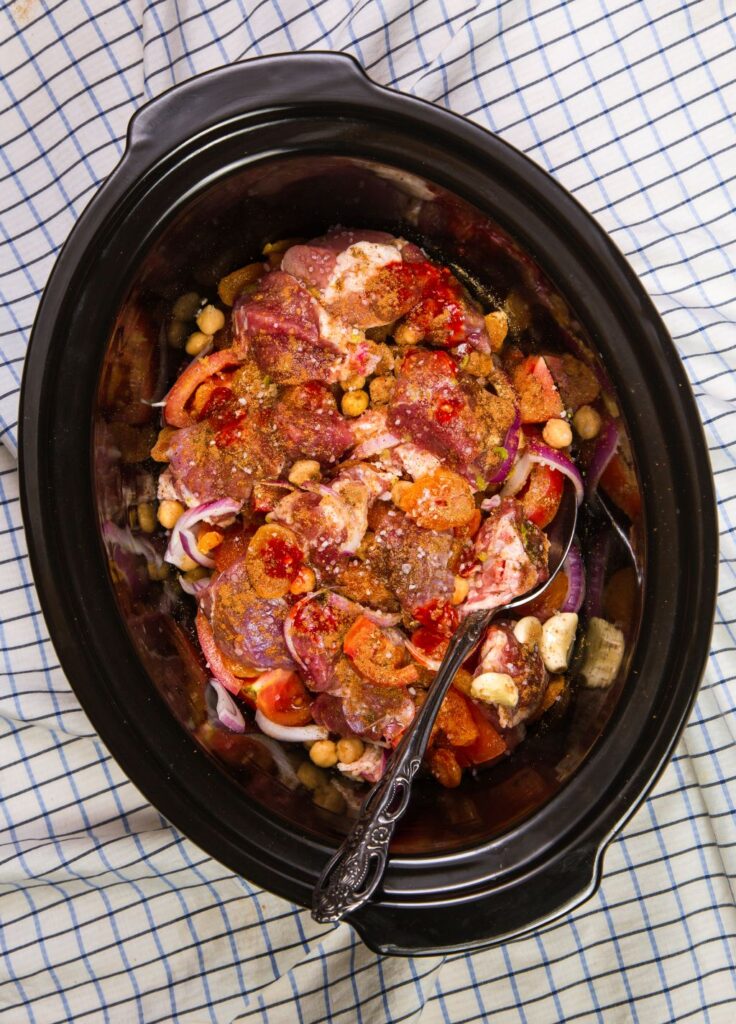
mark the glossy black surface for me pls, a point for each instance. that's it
(514, 846)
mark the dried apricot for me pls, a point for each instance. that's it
(440, 500)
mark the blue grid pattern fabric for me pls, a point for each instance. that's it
(106, 912)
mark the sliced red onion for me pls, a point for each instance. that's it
(382, 619)
(518, 476)
(183, 540)
(195, 589)
(574, 569)
(546, 456)
(213, 658)
(422, 657)
(605, 448)
(290, 733)
(227, 710)
(511, 444)
(376, 444)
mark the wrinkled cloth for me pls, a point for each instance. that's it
(107, 913)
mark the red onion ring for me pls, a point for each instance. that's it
(290, 733)
(604, 450)
(511, 444)
(227, 710)
(196, 589)
(433, 664)
(376, 444)
(574, 569)
(183, 541)
(546, 456)
(518, 476)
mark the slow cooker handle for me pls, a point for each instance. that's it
(259, 84)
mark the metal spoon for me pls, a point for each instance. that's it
(354, 872)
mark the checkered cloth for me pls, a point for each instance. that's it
(106, 912)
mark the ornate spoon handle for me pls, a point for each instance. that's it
(352, 875)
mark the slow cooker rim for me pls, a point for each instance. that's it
(96, 209)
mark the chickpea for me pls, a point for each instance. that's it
(405, 334)
(478, 364)
(323, 753)
(350, 750)
(497, 326)
(176, 332)
(187, 564)
(304, 582)
(381, 389)
(398, 490)
(587, 422)
(197, 343)
(310, 776)
(329, 799)
(193, 575)
(386, 363)
(557, 433)
(303, 470)
(211, 320)
(169, 512)
(353, 384)
(461, 590)
(354, 403)
(157, 572)
(146, 517)
(186, 306)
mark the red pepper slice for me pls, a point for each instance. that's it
(282, 697)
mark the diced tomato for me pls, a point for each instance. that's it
(539, 398)
(234, 546)
(433, 644)
(542, 494)
(619, 483)
(176, 412)
(282, 697)
(375, 656)
(219, 398)
(440, 616)
(549, 602)
(489, 744)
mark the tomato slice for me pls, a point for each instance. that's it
(542, 494)
(489, 745)
(176, 413)
(619, 483)
(282, 697)
(430, 642)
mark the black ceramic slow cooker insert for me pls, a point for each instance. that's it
(214, 169)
